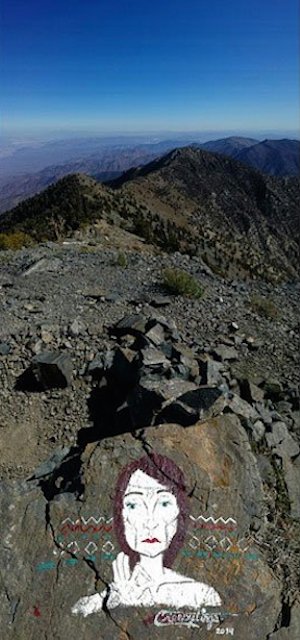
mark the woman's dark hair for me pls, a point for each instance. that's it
(168, 474)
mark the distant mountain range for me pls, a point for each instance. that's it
(107, 163)
(37, 156)
(274, 157)
(229, 146)
(195, 201)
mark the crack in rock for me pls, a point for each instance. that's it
(13, 602)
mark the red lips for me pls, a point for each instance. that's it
(151, 540)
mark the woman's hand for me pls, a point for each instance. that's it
(128, 587)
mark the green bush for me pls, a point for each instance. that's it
(264, 306)
(143, 228)
(122, 260)
(181, 283)
(15, 240)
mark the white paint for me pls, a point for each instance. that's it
(90, 520)
(96, 521)
(189, 619)
(88, 604)
(150, 513)
(141, 589)
(91, 548)
(213, 520)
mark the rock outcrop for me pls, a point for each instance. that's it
(149, 467)
(208, 467)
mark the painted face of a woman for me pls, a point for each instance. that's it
(150, 512)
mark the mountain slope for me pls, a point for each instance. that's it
(76, 201)
(26, 186)
(237, 219)
(274, 157)
(66, 204)
(236, 215)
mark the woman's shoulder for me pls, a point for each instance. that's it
(174, 576)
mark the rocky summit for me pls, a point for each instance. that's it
(150, 441)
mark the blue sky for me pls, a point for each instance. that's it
(128, 65)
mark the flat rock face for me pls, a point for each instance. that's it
(163, 525)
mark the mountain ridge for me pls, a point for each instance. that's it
(109, 163)
(189, 199)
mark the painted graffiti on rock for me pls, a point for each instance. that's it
(209, 522)
(191, 619)
(87, 536)
(225, 544)
(86, 525)
(150, 522)
(89, 547)
(220, 555)
(92, 537)
(224, 541)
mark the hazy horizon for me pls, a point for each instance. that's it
(20, 138)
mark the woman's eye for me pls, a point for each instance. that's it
(130, 505)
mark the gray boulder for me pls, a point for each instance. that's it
(152, 394)
(251, 392)
(240, 407)
(281, 441)
(224, 352)
(133, 325)
(210, 371)
(4, 349)
(52, 369)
